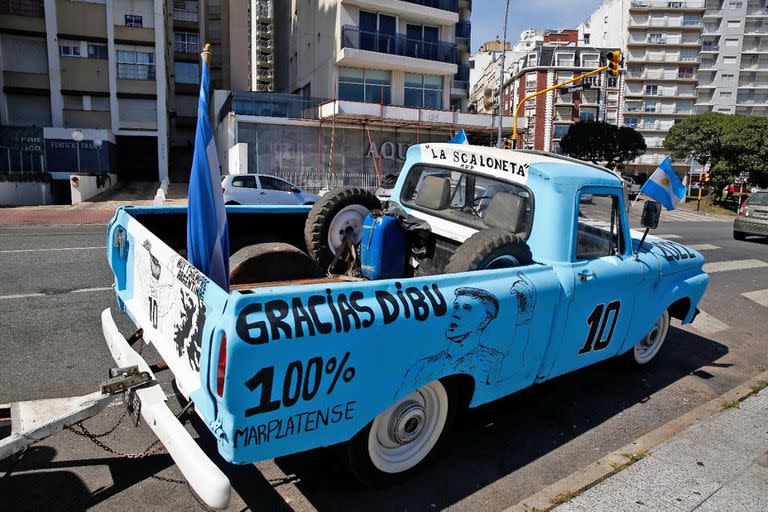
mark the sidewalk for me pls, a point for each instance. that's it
(97, 211)
(720, 464)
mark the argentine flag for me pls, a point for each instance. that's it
(664, 186)
(459, 138)
(207, 232)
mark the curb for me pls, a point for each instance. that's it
(616, 461)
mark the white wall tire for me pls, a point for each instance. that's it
(648, 347)
(403, 436)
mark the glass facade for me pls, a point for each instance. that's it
(423, 91)
(368, 85)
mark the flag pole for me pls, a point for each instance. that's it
(207, 53)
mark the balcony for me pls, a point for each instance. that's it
(185, 10)
(713, 13)
(755, 49)
(710, 48)
(464, 31)
(363, 44)
(463, 73)
(757, 11)
(667, 5)
(30, 8)
(443, 5)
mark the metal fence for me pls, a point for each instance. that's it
(397, 44)
(312, 181)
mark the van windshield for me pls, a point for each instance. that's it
(472, 200)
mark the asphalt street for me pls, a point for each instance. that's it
(54, 283)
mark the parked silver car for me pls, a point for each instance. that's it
(753, 217)
(263, 189)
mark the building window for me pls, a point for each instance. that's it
(367, 85)
(132, 20)
(734, 5)
(186, 72)
(70, 50)
(560, 131)
(564, 59)
(613, 81)
(590, 60)
(727, 76)
(729, 60)
(586, 115)
(731, 42)
(726, 94)
(630, 122)
(586, 38)
(378, 32)
(97, 51)
(135, 65)
(734, 23)
(424, 91)
(185, 42)
(652, 90)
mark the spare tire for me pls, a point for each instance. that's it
(271, 261)
(340, 209)
(487, 249)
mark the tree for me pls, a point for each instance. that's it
(730, 144)
(603, 143)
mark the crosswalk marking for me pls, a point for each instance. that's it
(723, 266)
(759, 296)
(683, 216)
(707, 324)
(703, 247)
(669, 237)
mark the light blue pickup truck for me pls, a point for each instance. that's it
(485, 274)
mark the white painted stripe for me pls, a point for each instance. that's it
(86, 290)
(759, 296)
(669, 237)
(22, 296)
(53, 249)
(81, 290)
(703, 247)
(707, 324)
(724, 266)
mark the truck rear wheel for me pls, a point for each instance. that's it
(404, 435)
(487, 249)
(342, 210)
(645, 351)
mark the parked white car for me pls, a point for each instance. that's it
(263, 189)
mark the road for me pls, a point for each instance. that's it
(54, 282)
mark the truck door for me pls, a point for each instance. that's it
(606, 281)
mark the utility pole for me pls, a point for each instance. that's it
(499, 142)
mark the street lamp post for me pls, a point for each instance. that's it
(499, 143)
(77, 136)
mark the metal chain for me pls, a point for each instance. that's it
(80, 429)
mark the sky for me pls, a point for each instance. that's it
(488, 17)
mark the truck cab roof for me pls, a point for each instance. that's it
(532, 166)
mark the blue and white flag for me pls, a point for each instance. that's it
(459, 138)
(207, 232)
(664, 186)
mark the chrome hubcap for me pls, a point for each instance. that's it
(407, 423)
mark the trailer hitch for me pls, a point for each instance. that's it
(126, 380)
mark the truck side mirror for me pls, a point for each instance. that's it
(651, 214)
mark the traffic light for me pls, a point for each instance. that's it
(706, 176)
(614, 62)
(508, 143)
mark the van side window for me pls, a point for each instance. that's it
(599, 227)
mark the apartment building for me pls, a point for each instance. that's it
(262, 58)
(733, 73)
(124, 72)
(661, 41)
(94, 66)
(485, 66)
(413, 53)
(189, 25)
(548, 116)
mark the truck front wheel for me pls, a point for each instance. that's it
(403, 436)
(645, 351)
